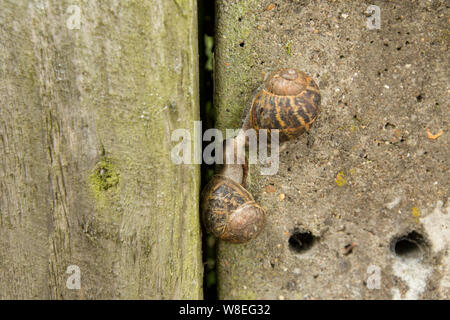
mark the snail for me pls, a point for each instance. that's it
(228, 209)
(230, 212)
(289, 101)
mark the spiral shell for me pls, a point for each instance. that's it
(289, 101)
(230, 212)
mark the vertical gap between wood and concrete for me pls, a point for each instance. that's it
(206, 27)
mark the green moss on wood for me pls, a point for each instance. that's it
(104, 177)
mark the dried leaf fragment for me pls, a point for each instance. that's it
(434, 136)
(349, 248)
(270, 7)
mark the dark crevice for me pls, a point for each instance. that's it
(206, 25)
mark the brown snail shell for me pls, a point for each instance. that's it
(229, 211)
(289, 101)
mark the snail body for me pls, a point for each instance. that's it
(229, 211)
(289, 101)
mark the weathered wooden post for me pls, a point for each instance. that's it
(89, 95)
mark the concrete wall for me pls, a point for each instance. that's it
(359, 207)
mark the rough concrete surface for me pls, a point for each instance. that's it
(359, 208)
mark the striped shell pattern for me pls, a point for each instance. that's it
(289, 101)
(230, 212)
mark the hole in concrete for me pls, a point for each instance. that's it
(300, 242)
(410, 246)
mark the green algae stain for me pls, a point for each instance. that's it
(104, 177)
(288, 46)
